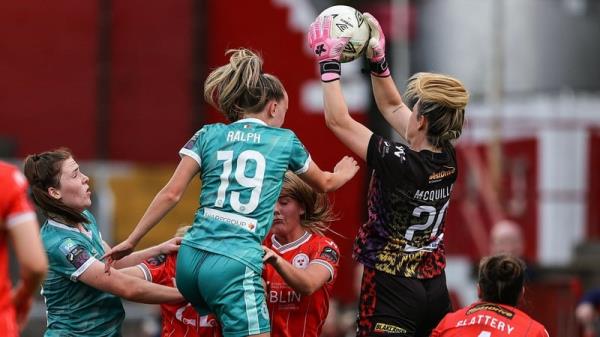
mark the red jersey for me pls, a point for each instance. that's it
(178, 319)
(484, 319)
(292, 314)
(14, 210)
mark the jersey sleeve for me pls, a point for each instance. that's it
(155, 269)
(439, 329)
(193, 148)
(328, 256)
(388, 158)
(299, 159)
(15, 206)
(71, 258)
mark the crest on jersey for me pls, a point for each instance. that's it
(301, 261)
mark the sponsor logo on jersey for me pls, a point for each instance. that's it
(437, 176)
(330, 254)
(388, 328)
(301, 261)
(491, 307)
(400, 153)
(67, 245)
(248, 224)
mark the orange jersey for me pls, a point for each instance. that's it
(292, 314)
(178, 319)
(484, 319)
(14, 209)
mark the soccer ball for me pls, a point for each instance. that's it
(345, 17)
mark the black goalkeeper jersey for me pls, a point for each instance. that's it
(408, 199)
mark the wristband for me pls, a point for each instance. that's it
(379, 68)
(331, 70)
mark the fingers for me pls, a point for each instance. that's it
(107, 265)
(372, 22)
(326, 25)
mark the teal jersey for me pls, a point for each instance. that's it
(74, 308)
(242, 166)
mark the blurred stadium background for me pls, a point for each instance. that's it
(120, 83)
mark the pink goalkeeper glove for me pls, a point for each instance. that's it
(328, 50)
(376, 48)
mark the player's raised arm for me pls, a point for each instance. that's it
(387, 97)
(328, 51)
(162, 203)
(324, 181)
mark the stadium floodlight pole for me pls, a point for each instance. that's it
(400, 23)
(494, 95)
(400, 36)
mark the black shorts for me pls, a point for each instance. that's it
(398, 306)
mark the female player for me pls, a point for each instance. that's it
(81, 299)
(241, 166)
(19, 226)
(500, 288)
(403, 290)
(301, 262)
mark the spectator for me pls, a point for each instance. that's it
(586, 312)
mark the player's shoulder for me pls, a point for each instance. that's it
(535, 327)
(322, 240)
(57, 240)
(10, 175)
(6, 167)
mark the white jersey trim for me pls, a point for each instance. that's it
(146, 271)
(292, 245)
(250, 120)
(304, 168)
(192, 154)
(19, 218)
(83, 268)
(326, 265)
(62, 226)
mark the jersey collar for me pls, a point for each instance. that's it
(69, 228)
(292, 245)
(251, 120)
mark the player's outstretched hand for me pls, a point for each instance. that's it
(116, 253)
(376, 48)
(270, 256)
(346, 167)
(327, 49)
(170, 246)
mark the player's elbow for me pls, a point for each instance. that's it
(132, 292)
(35, 271)
(308, 287)
(333, 123)
(172, 196)
(306, 291)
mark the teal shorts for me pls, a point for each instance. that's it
(215, 283)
